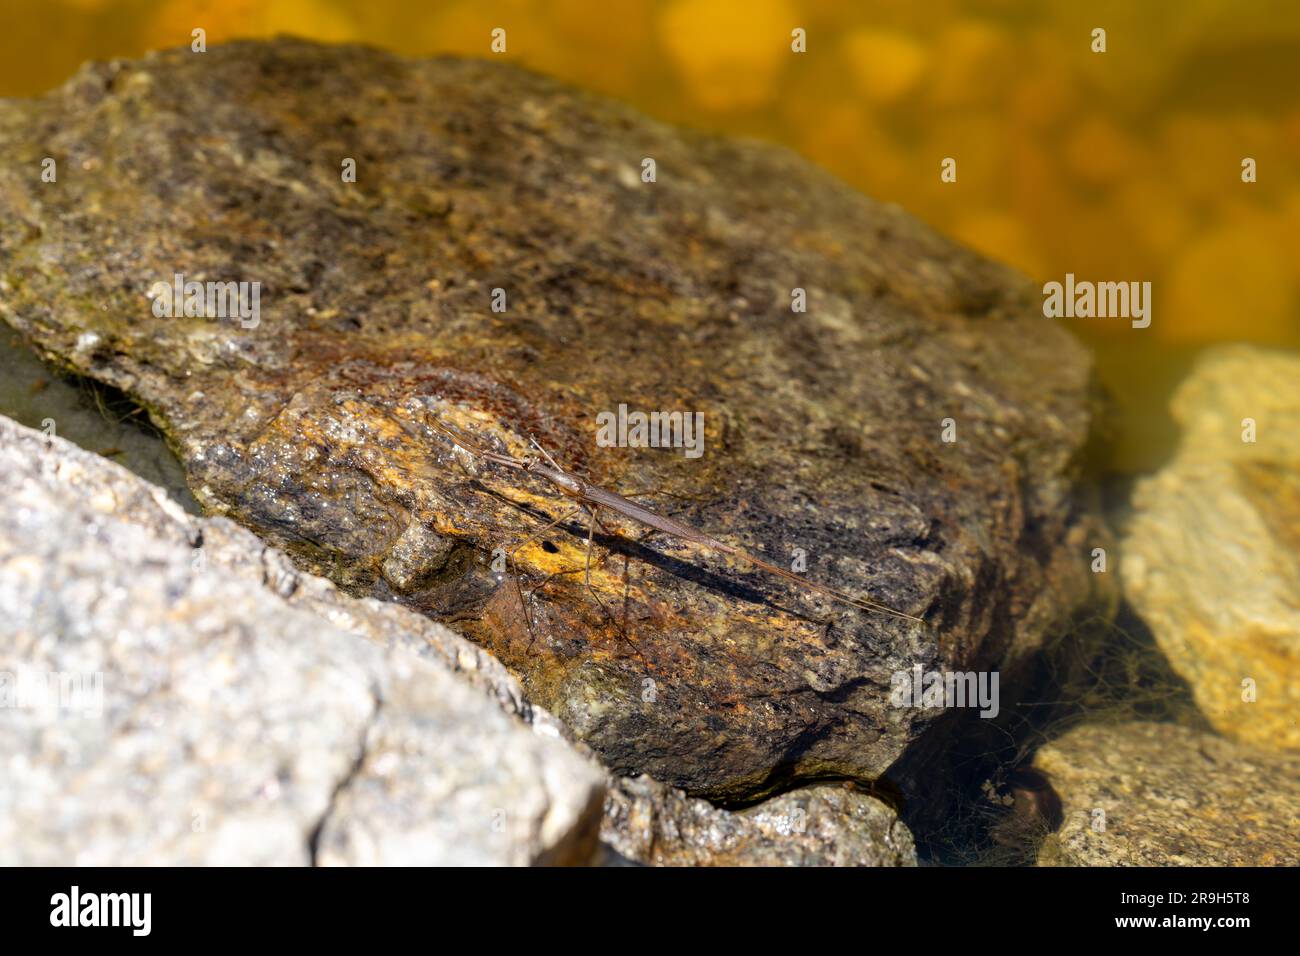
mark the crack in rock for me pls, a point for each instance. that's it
(313, 838)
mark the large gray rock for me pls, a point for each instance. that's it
(210, 705)
(820, 825)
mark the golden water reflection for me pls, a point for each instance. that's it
(1123, 165)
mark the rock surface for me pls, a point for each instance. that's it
(214, 706)
(1211, 559)
(415, 794)
(820, 825)
(1167, 795)
(822, 428)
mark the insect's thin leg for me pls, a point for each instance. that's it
(612, 532)
(523, 609)
(545, 454)
(627, 594)
(591, 530)
(586, 575)
(627, 565)
(550, 577)
(533, 537)
(627, 584)
(519, 591)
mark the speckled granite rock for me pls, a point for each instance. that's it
(1211, 559)
(1170, 796)
(199, 717)
(822, 428)
(819, 825)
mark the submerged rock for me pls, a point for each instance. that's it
(1211, 559)
(176, 694)
(820, 825)
(1144, 794)
(823, 429)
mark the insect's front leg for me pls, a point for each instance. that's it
(514, 562)
(593, 517)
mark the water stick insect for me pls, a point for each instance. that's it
(593, 499)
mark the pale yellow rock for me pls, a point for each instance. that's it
(1211, 559)
(1145, 794)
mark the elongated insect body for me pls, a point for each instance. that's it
(568, 485)
(593, 498)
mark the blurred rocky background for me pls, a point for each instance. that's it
(1115, 166)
